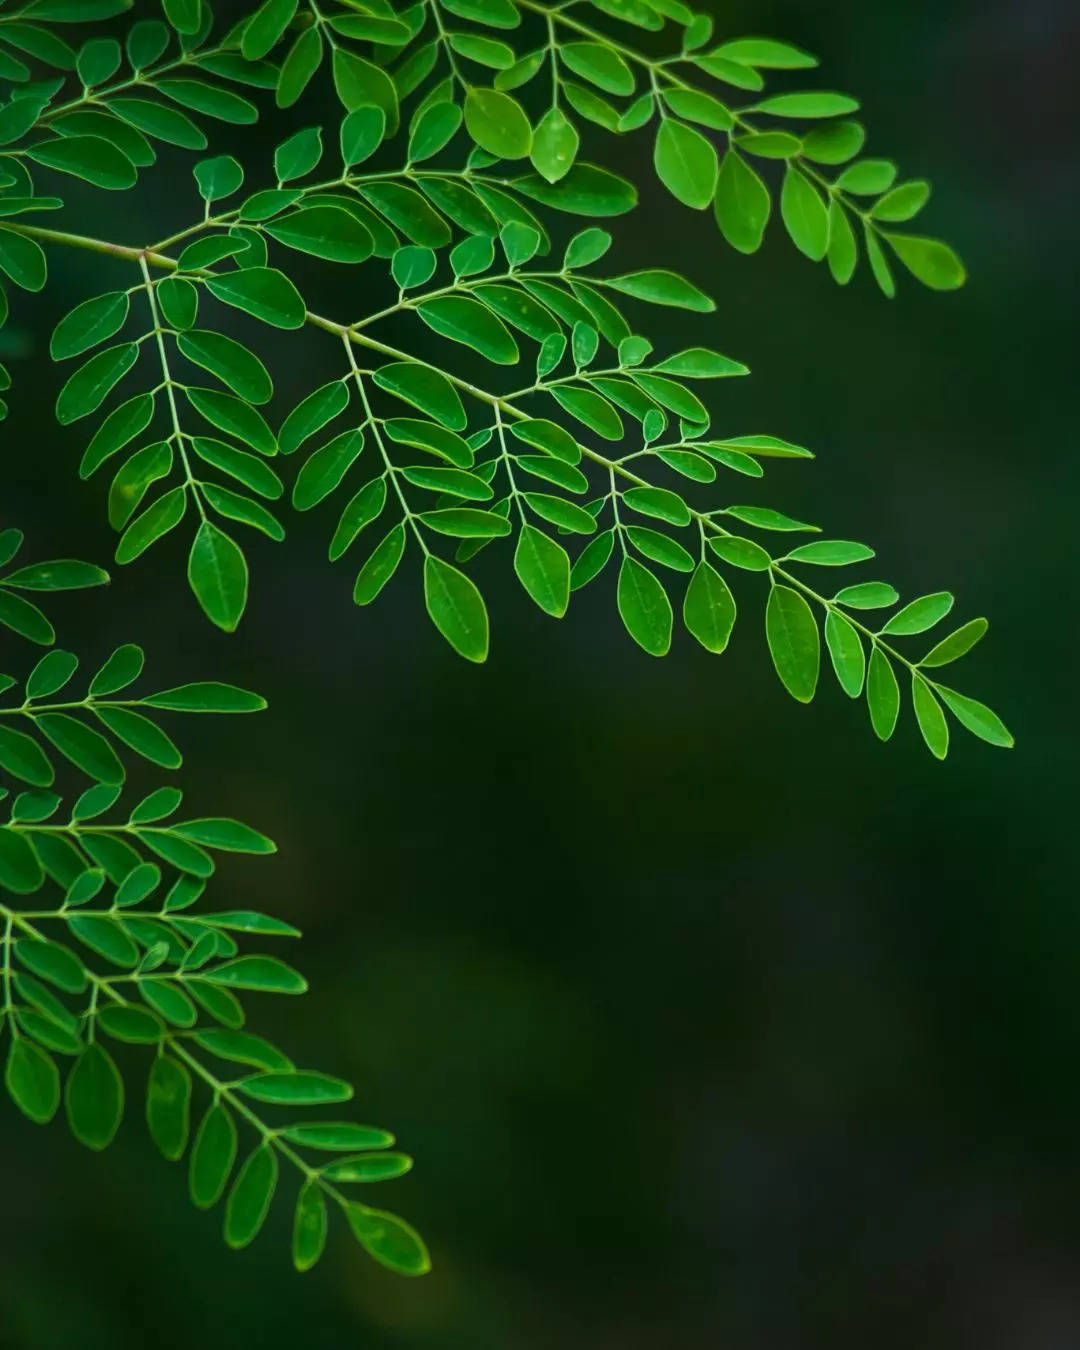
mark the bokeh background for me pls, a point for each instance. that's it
(710, 1020)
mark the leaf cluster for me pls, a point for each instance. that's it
(104, 944)
(454, 184)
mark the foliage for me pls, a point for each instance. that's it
(114, 951)
(453, 174)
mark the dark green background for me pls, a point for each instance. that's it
(710, 1020)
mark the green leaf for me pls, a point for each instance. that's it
(658, 503)
(425, 388)
(867, 595)
(184, 15)
(387, 1238)
(82, 746)
(212, 1157)
(218, 575)
(742, 204)
(902, 203)
(241, 1047)
(817, 103)
(920, 614)
(497, 123)
(26, 619)
(303, 60)
(456, 608)
(265, 973)
(23, 758)
(338, 1138)
(362, 132)
(843, 251)
(794, 643)
(86, 157)
(431, 437)
(644, 607)
(234, 416)
(709, 608)
(882, 694)
(121, 669)
(543, 568)
(232, 363)
(301, 1088)
(867, 177)
(365, 507)
(105, 937)
(698, 107)
(660, 287)
(22, 260)
(263, 292)
(830, 553)
(456, 482)
(88, 324)
(133, 1026)
(587, 247)
(223, 833)
(846, 653)
(369, 1167)
(685, 163)
(206, 697)
(554, 145)
(91, 384)
(548, 436)
(359, 84)
(218, 177)
(764, 518)
(179, 301)
(325, 469)
(168, 1106)
(312, 414)
(931, 720)
(265, 28)
(585, 191)
(328, 232)
(591, 409)
(159, 122)
(765, 54)
(62, 575)
(380, 566)
(600, 65)
(980, 720)
(94, 1098)
(53, 962)
(929, 261)
(592, 560)
(309, 1226)
(156, 521)
(434, 129)
(467, 321)
(957, 644)
(805, 214)
(558, 511)
(50, 674)
(33, 1080)
(879, 264)
(249, 1200)
(250, 470)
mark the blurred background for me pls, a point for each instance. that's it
(710, 1020)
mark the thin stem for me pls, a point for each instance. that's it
(376, 431)
(190, 482)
